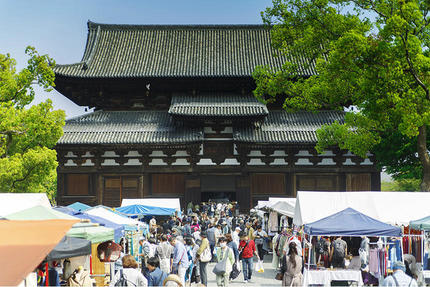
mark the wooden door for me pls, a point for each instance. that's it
(117, 188)
(358, 182)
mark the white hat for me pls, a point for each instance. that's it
(141, 238)
(238, 228)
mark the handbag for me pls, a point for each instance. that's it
(234, 272)
(279, 276)
(206, 255)
(221, 266)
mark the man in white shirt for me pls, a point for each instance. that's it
(235, 236)
(153, 223)
(399, 278)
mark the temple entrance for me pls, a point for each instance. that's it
(219, 188)
(218, 196)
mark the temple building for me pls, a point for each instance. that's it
(174, 116)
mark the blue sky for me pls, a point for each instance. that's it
(59, 27)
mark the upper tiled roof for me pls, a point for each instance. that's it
(133, 51)
(127, 127)
(217, 106)
(283, 127)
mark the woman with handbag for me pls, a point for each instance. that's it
(293, 274)
(203, 256)
(225, 259)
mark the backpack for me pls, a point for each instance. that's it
(321, 246)
(339, 249)
(121, 281)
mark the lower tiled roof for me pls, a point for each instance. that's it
(217, 106)
(285, 128)
(127, 127)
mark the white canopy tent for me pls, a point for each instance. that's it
(157, 202)
(14, 202)
(102, 212)
(390, 207)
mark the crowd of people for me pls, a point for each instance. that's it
(177, 252)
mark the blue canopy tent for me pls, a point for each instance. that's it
(79, 206)
(118, 228)
(135, 210)
(350, 222)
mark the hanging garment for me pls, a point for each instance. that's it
(374, 262)
(273, 221)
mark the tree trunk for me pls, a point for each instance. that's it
(424, 157)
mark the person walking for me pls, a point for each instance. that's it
(235, 235)
(164, 252)
(260, 235)
(203, 262)
(247, 249)
(293, 274)
(180, 260)
(224, 253)
(130, 272)
(156, 275)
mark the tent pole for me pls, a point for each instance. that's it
(401, 246)
(309, 253)
(422, 248)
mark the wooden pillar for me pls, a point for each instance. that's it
(342, 181)
(99, 188)
(141, 186)
(375, 181)
(60, 188)
(146, 185)
(243, 192)
(289, 184)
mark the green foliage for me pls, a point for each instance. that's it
(28, 135)
(373, 55)
(401, 185)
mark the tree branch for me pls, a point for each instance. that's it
(23, 178)
(412, 68)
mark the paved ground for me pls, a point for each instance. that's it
(258, 279)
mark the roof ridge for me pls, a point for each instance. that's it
(93, 25)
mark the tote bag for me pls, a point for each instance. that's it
(221, 266)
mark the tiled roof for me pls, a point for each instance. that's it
(127, 127)
(283, 127)
(217, 106)
(135, 51)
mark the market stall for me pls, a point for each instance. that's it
(79, 206)
(399, 208)
(70, 247)
(25, 243)
(347, 222)
(14, 202)
(96, 234)
(157, 202)
(118, 228)
(108, 214)
(39, 213)
(139, 210)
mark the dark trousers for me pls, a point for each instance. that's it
(261, 251)
(203, 274)
(212, 247)
(247, 268)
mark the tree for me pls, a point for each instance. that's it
(27, 135)
(370, 54)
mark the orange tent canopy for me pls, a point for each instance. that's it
(25, 243)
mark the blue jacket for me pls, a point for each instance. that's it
(156, 277)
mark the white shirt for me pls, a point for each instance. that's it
(152, 222)
(402, 279)
(235, 237)
(133, 276)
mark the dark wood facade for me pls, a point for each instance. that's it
(137, 145)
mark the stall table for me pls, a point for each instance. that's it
(325, 277)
